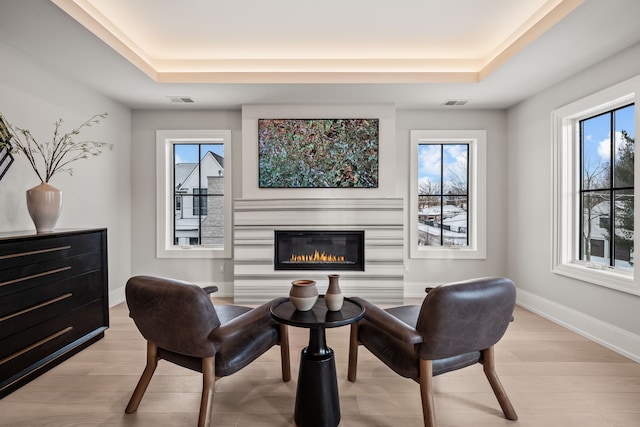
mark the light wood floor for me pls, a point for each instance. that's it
(553, 376)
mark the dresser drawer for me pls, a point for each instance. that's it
(20, 279)
(32, 251)
(19, 311)
(20, 351)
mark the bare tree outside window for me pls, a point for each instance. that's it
(607, 146)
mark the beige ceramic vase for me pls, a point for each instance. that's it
(303, 294)
(44, 203)
(334, 297)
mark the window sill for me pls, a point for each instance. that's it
(189, 252)
(452, 252)
(603, 276)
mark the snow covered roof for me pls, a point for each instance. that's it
(458, 220)
(448, 210)
(182, 171)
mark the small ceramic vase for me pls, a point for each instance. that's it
(303, 294)
(44, 203)
(334, 298)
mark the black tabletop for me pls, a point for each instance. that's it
(319, 316)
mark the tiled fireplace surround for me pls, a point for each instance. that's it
(379, 212)
(255, 221)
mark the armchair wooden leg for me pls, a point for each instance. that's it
(152, 363)
(208, 388)
(426, 392)
(353, 353)
(284, 353)
(489, 366)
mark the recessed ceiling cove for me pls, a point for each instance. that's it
(289, 41)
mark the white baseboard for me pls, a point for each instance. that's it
(116, 296)
(619, 340)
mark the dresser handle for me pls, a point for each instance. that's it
(36, 344)
(33, 276)
(41, 251)
(35, 307)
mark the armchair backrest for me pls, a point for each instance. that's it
(467, 316)
(175, 315)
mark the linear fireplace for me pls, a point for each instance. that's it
(319, 250)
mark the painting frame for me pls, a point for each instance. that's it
(306, 153)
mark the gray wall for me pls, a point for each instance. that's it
(143, 192)
(432, 272)
(97, 195)
(419, 272)
(605, 314)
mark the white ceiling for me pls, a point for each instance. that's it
(413, 53)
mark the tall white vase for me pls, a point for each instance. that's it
(44, 203)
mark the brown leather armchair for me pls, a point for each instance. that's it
(182, 326)
(457, 326)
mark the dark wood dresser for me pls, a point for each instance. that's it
(53, 300)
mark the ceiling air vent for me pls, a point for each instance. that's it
(455, 102)
(181, 99)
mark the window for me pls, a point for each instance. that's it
(606, 187)
(594, 188)
(443, 199)
(448, 194)
(193, 176)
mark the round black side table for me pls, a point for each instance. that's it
(317, 399)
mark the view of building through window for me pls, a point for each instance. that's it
(198, 171)
(443, 194)
(607, 143)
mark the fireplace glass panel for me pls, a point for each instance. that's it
(319, 250)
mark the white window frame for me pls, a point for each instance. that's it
(566, 177)
(477, 210)
(165, 139)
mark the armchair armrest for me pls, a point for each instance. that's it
(241, 325)
(389, 323)
(210, 289)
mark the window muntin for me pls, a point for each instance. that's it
(569, 221)
(607, 174)
(200, 202)
(443, 199)
(451, 203)
(193, 194)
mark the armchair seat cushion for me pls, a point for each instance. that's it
(407, 313)
(227, 313)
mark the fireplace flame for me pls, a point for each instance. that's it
(316, 257)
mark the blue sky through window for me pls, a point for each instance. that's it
(188, 153)
(453, 158)
(597, 136)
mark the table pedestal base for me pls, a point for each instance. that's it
(317, 400)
